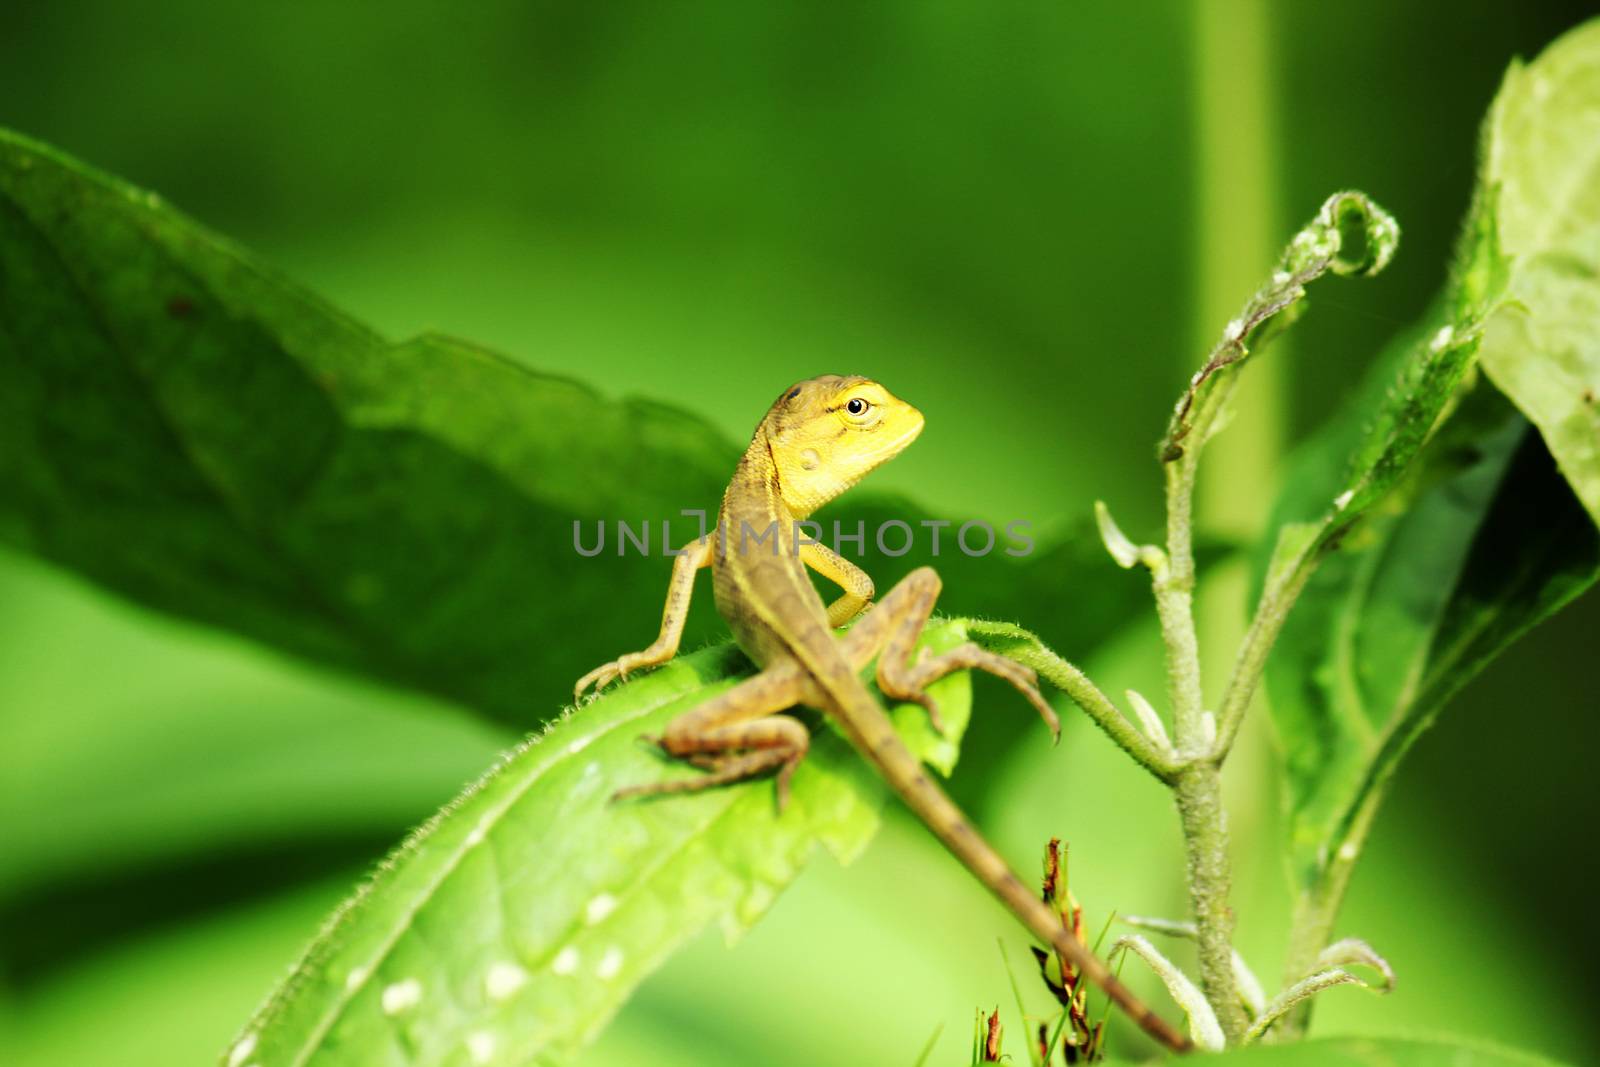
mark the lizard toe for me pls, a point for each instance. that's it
(931, 706)
(596, 678)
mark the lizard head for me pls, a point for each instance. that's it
(825, 434)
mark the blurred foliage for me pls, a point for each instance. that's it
(240, 453)
(991, 208)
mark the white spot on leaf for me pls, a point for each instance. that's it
(356, 978)
(1341, 501)
(503, 980)
(401, 996)
(241, 1051)
(566, 961)
(610, 964)
(599, 908)
(480, 1046)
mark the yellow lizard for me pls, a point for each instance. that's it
(820, 438)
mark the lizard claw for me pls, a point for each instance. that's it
(1026, 681)
(785, 773)
(928, 704)
(600, 677)
(1046, 712)
(603, 675)
(1031, 690)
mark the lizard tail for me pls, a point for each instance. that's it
(872, 732)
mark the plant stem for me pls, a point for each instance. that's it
(1072, 681)
(1015, 643)
(1199, 796)
(1272, 611)
(1174, 592)
(1198, 787)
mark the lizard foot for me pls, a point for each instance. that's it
(910, 682)
(722, 769)
(617, 670)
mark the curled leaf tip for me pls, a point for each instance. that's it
(1347, 215)
(1350, 234)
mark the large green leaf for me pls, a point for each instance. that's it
(1490, 542)
(1442, 529)
(196, 433)
(1543, 163)
(515, 923)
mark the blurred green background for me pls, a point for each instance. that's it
(1029, 219)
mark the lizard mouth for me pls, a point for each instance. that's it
(912, 432)
(894, 447)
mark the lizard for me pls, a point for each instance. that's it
(819, 438)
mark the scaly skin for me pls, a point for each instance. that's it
(821, 437)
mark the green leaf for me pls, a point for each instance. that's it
(516, 922)
(1543, 163)
(1413, 605)
(198, 434)
(1378, 1052)
(1439, 532)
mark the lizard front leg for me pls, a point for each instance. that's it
(739, 734)
(890, 631)
(856, 583)
(695, 555)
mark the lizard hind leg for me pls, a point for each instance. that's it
(891, 629)
(737, 735)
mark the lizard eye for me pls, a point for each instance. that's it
(856, 406)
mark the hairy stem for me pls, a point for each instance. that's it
(1174, 592)
(1272, 611)
(1199, 796)
(1198, 788)
(1088, 696)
